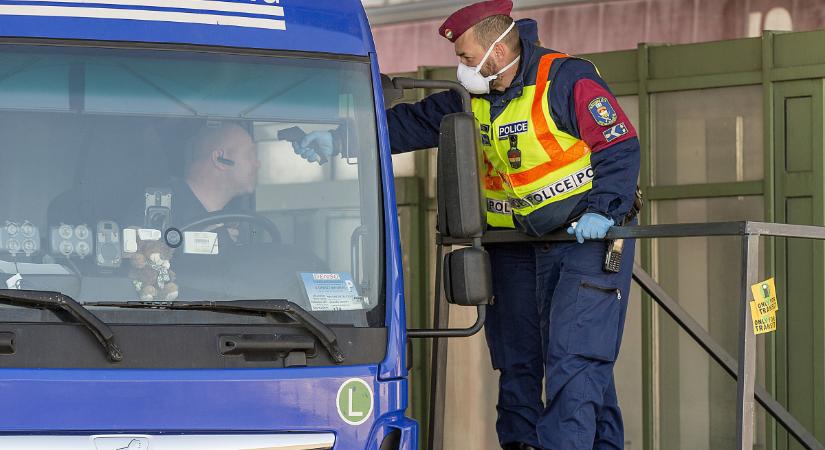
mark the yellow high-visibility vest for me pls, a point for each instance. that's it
(537, 164)
(499, 213)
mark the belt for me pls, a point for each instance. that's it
(638, 203)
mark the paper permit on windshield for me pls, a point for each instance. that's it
(14, 282)
(332, 292)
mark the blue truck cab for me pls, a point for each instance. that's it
(176, 277)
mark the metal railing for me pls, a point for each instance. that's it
(743, 368)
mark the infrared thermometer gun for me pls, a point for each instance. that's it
(296, 135)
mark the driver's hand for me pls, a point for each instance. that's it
(314, 145)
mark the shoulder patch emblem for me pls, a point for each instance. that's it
(602, 112)
(614, 133)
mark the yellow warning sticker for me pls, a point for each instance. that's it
(762, 323)
(764, 294)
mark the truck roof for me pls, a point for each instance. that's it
(331, 26)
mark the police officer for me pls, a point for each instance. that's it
(560, 153)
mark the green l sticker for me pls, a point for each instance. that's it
(354, 401)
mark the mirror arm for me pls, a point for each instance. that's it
(412, 83)
(448, 332)
(452, 332)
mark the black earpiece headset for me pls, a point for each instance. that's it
(225, 161)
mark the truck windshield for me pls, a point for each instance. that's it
(167, 175)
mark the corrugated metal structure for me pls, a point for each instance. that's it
(730, 130)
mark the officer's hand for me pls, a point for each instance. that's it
(314, 145)
(591, 226)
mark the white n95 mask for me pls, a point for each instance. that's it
(471, 77)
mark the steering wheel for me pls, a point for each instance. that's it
(250, 217)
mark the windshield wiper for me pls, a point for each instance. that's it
(274, 306)
(60, 301)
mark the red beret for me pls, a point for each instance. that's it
(464, 19)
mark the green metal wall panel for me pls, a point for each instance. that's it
(650, 395)
(768, 145)
(798, 73)
(708, 58)
(799, 149)
(799, 320)
(618, 67)
(799, 49)
(798, 134)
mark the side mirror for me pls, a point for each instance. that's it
(467, 277)
(460, 200)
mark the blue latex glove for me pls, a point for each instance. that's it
(591, 226)
(314, 144)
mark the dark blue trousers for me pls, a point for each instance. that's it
(557, 317)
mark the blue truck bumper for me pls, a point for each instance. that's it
(155, 402)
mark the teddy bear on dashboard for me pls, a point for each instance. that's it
(151, 272)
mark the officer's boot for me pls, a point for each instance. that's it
(518, 446)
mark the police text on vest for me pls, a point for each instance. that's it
(565, 185)
(504, 131)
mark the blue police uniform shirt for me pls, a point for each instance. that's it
(185, 205)
(416, 126)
